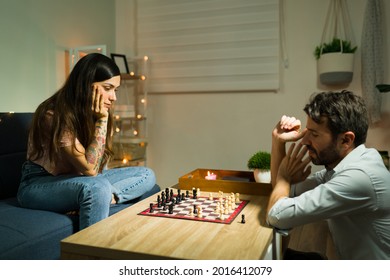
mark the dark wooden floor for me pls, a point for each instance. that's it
(313, 237)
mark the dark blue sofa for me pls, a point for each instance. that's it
(25, 233)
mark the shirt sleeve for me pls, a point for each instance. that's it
(309, 184)
(347, 192)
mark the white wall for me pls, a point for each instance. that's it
(34, 35)
(221, 130)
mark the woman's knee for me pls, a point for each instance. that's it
(98, 191)
(150, 178)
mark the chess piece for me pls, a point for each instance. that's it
(238, 198)
(242, 219)
(190, 212)
(218, 207)
(170, 211)
(187, 194)
(198, 191)
(211, 196)
(194, 194)
(221, 217)
(151, 210)
(199, 209)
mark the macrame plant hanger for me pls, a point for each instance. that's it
(335, 64)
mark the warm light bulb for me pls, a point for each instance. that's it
(143, 78)
(139, 116)
(143, 100)
(124, 161)
(117, 129)
(146, 57)
(135, 132)
(131, 73)
(117, 117)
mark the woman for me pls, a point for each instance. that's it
(70, 143)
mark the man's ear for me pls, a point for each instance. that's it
(347, 139)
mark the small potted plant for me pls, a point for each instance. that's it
(335, 61)
(260, 163)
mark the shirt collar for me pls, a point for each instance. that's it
(353, 156)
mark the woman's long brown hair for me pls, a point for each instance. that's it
(72, 105)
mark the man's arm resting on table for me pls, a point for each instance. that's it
(281, 190)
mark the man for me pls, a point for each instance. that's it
(352, 192)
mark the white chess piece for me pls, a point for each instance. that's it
(237, 198)
(200, 210)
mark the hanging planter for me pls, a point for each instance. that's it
(335, 58)
(335, 62)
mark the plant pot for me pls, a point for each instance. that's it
(262, 175)
(335, 68)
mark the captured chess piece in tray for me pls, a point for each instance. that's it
(223, 208)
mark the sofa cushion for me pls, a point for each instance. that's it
(31, 234)
(13, 149)
(35, 234)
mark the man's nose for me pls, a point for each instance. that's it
(305, 140)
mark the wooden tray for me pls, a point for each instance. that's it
(227, 181)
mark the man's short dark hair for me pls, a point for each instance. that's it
(344, 110)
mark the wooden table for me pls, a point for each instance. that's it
(127, 235)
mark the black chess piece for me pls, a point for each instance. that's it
(194, 194)
(195, 210)
(151, 210)
(183, 196)
(242, 219)
(187, 194)
(167, 193)
(170, 211)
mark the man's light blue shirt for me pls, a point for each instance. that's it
(354, 197)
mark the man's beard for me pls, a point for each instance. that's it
(326, 156)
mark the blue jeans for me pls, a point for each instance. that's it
(90, 195)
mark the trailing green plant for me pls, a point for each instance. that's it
(334, 46)
(260, 160)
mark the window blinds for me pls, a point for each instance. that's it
(210, 45)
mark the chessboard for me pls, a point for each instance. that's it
(223, 208)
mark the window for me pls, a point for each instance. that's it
(210, 45)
